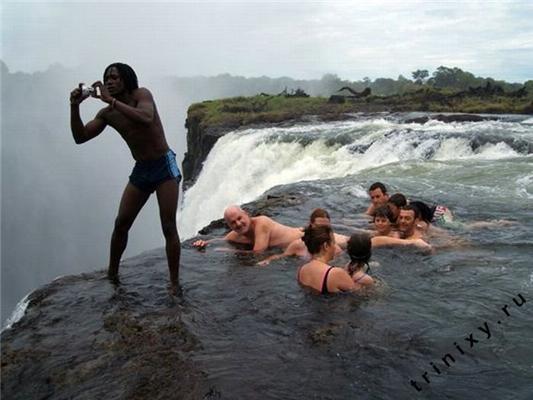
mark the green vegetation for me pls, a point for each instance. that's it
(238, 111)
(445, 90)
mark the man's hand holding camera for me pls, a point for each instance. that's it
(96, 90)
(101, 92)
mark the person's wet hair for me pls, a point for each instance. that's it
(318, 213)
(384, 212)
(424, 211)
(127, 74)
(410, 207)
(398, 199)
(378, 185)
(315, 236)
(359, 250)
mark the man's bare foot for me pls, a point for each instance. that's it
(113, 277)
(174, 289)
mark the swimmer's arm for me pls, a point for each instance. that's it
(489, 224)
(381, 241)
(370, 210)
(362, 280)
(435, 231)
(291, 250)
(202, 244)
(341, 241)
(83, 133)
(343, 281)
(271, 258)
(262, 238)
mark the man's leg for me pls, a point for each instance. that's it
(167, 197)
(133, 199)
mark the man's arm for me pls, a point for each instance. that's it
(202, 244)
(381, 241)
(143, 112)
(261, 237)
(291, 250)
(341, 240)
(80, 132)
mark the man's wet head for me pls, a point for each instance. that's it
(378, 194)
(320, 217)
(407, 220)
(237, 219)
(395, 202)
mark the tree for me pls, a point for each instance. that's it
(455, 78)
(420, 76)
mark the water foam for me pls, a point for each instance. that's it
(17, 313)
(244, 164)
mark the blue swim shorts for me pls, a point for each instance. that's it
(148, 175)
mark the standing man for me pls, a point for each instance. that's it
(131, 111)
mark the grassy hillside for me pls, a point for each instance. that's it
(240, 111)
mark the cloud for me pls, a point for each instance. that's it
(299, 39)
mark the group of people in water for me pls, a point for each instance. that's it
(132, 112)
(396, 222)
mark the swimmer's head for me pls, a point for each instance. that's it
(378, 193)
(407, 219)
(383, 220)
(237, 219)
(319, 216)
(395, 202)
(425, 213)
(359, 248)
(319, 238)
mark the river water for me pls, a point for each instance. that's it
(418, 332)
(268, 338)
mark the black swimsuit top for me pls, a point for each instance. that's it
(325, 282)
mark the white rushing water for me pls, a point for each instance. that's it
(244, 164)
(17, 313)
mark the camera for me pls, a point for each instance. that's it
(87, 90)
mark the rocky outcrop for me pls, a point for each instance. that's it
(451, 118)
(200, 141)
(83, 338)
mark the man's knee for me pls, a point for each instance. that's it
(123, 225)
(170, 231)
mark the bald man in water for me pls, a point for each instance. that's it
(260, 232)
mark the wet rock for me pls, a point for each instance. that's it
(451, 118)
(324, 335)
(83, 338)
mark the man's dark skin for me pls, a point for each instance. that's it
(134, 116)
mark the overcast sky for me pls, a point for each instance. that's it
(254, 38)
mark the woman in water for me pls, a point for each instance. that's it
(317, 274)
(360, 250)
